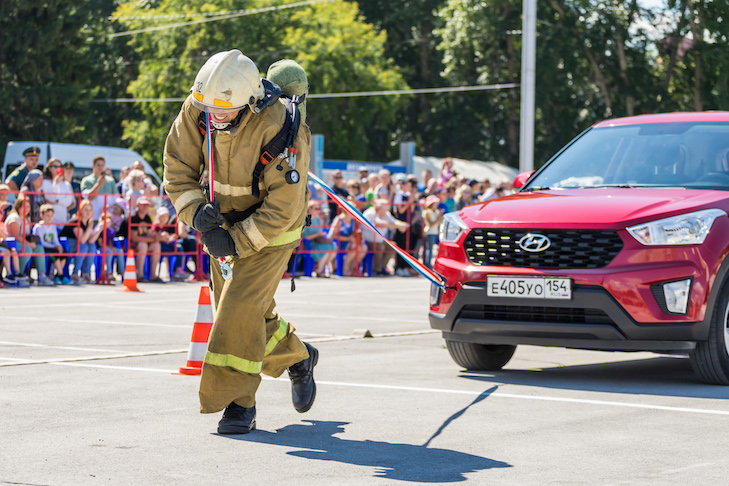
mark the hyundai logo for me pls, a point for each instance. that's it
(534, 243)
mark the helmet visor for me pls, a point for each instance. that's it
(215, 110)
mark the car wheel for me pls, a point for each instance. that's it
(480, 357)
(710, 358)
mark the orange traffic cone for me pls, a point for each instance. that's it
(130, 275)
(200, 333)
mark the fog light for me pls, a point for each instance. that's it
(677, 296)
(436, 293)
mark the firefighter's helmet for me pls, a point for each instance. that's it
(227, 82)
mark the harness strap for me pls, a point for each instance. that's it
(283, 140)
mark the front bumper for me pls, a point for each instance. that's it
(592, 319)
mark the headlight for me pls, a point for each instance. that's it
(451, 227)
(685, 229)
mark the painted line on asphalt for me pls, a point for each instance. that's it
(580, 401)
(96, 304)
(424, 320)
(49, 346)
(526, 397)
(92, 358)
(116, 323)
(20, 362)
(112, 367)
(374, 335)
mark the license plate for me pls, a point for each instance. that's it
(529, 287)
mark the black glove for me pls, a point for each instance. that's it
(218, 243)
(208, 217)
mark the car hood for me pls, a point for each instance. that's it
(598, 207)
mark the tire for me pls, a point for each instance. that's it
(710, 358)
(480, 357)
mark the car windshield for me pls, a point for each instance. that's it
(690, 155)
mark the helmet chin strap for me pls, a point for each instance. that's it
(227, 126)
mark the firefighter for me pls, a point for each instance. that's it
(256, 229)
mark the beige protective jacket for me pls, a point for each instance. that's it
(277, 223)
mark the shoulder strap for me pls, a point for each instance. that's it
(279, 146)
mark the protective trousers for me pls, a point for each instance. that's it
(248, 336)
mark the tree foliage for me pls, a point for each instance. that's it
(595, 59)
(49, 69)
(338, 50)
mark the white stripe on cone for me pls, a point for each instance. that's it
(197, 351)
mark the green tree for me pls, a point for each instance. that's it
(338, 50)
(412, 44)
(342, 53)
(693, 61)
(593, 61)
(479, 48)
(47, 70)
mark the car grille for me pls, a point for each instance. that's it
(529, 313)
(568, 248)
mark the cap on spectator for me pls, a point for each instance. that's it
(143, 200)
(438, 191)
(122, 204)
(399, 177)
(69, 165)
(162, 210)
(363, 168)
(31, 151)
(431, 200)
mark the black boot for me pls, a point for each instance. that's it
(303, 388)
(237, 420)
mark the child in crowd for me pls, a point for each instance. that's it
(186, 243)
(432, 216)
(345, 230)
(168, 242)
(48, 235)
(82, 237)
(112, 224)
(5, 205)
(19, 227)
(10, 255)
(324, 251)
(144, 241)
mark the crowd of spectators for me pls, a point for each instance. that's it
(403, 207)
(82, 225)
(100, 218)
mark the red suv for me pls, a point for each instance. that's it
(619, 242)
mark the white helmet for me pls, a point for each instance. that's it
(227, 82)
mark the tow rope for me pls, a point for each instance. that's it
(225, 269)
(413, 262)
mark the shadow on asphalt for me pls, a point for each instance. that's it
(403, 462)
(660, 376)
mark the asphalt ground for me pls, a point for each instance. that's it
(89, 396)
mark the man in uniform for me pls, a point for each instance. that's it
(258, 233)
(30, 162)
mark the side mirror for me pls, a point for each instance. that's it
(522, 179)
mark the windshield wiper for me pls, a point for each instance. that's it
(624, 186)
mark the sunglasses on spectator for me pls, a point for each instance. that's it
(336, 177)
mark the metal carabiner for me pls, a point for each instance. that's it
(225, 269)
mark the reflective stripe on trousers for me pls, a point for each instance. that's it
(244, 365)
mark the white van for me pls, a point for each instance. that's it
(80, 155)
